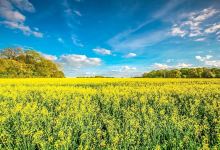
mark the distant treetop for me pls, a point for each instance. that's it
(184, 73)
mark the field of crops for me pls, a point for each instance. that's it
(109, 113)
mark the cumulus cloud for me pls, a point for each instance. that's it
(159, 66)
(130, 55)
(79, 61)
(183, 65)
(14, 19)
(192, 25)
(214, 63)
(102, 51)
(200, 58)
(207, 60)
(50, 57)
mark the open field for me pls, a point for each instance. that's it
(104, 113)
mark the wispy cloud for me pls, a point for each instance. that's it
(140, 41)
(77, 13)
(213, 28)
(130, 55)
(122, 71)
(14, 19)
(194, 24)
(176, 31)
(127, 68)
(171, 4)
(76, 41)
(60, 40)
(24, 5)
(129, 39)
(20, 26)
(70, 14)
(200, 39)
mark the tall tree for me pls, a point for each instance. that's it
(15, 62)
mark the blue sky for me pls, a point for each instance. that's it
(115, 37)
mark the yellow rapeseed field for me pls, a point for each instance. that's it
(109, 113)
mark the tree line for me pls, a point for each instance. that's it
(19, 63)
(184, 73)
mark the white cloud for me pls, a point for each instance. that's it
(77, 13)
(79, 61)
(200, 58)
(127, 68)
(102, 51)
(207, 61)
(160, 66)
(60, 40)
(213, 28)
(204, 14)
(214, 63)
(50, 57)
(183, 65)
(176, 31)
(14, 19)
(191, 26)
(76, 41)
(122, 71)
(130, 55)
(200, 39)
(20, 26)
(7, 12)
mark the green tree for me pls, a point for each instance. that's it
(15, 62)
(184, 73)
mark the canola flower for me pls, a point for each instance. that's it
(109, 113)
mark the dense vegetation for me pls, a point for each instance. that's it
(184, 73)
(17, 63)
(109, 114)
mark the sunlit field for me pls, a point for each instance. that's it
(109, 113)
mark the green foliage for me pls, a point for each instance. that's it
(16, 63)
(184, 73)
